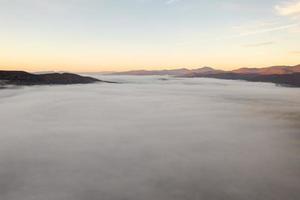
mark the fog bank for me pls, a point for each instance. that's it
(150, 138)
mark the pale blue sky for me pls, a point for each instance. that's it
(97, 35)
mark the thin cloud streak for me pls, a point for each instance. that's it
(262, 31)
(288, 8)
(171, 1)
(259, 44)
(270, 29)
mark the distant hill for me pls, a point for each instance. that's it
(269, 70)
(209, 70)
(172, 72)
(286, 75)
(175, 72)
(25, 78)
(292, 79)
(203, 70)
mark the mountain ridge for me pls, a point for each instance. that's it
(25, 78)
(209, 70)
(283, 75)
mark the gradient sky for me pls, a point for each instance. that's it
(107, 35)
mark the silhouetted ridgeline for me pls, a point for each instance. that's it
(282, 79)
(284, 75)
(24, 78)
(172, 72)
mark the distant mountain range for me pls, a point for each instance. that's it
(208, 70)
(285, 75)
(25, 78)
(172, 72)
(269, 70)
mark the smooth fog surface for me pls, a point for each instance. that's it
(150, 138)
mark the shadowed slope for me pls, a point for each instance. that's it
(282, 79)
(24, 78)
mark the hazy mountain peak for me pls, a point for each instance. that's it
(269, 70)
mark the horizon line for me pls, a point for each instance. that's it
(144, 69)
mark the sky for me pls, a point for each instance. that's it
(120, 35)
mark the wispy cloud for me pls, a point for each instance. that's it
(288, 8)
(232, 6)
(262, 30)
(167, 2)
(260, 44)
(238, 6)
(256, 25)
(272, 29)
(172, 1)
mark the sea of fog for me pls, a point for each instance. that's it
(150, 138)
